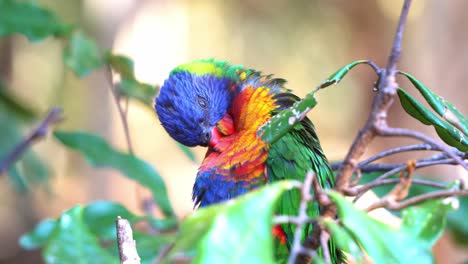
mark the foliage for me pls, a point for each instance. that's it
(232, 232)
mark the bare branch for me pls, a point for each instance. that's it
(402, 132)
(54, 116)
(122, 112)
(324, 237)
(361, 189)
(399, 191)
(394, 151)
(127, 246)
(387, 88)
(421, 198)
(296, 245)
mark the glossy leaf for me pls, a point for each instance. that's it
(427, 221)
(286, 119)
(72, 241)
(238, 231)
(38, 236)
(443, 108)
(340, 74)
(344, 240)
(82, 55)
(29, 19)
(100, 154)
(447, 132)
(384, 244)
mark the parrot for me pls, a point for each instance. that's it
(214, 104)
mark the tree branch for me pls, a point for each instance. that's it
(421, 198)
(122, 112)
(387, 88)
(296, 245)
(54, 116)
(395, 151)
(359, 190)
(127, 246)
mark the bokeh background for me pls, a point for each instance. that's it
(303, 41)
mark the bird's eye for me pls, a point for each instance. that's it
(202, 102)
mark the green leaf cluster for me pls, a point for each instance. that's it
(449, 123)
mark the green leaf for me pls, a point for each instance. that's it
(29, 19)
(100, 217)
(39, 236)
(100, 154)
(71, 241)
(340, 74)
(383, 243)
(129, 86)
(188, 152)
(142, 92)
(149, 245)
(457, 222)
(82, 54)
(20, 109)
(447, 132)
(122, 65)
(237, 231)
(444, 109)
(344, 240)
(427, 221)
(285, 120)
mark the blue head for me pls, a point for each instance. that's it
(194, 98)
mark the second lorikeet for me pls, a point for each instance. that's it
(221, 106)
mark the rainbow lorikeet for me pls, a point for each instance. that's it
(214, 104)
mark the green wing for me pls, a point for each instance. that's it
(291, 157)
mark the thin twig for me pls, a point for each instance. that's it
(284, 219)
(387, 88)
(127, 246)
(361, 189)
(324, 237)
(399, 191)
(296, 245)
(439, 159)
(403, 132)
(163, 253)
(423, 197)
(122, 113)
(54, 116)
(394, 151)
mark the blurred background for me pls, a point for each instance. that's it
(303, 41)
